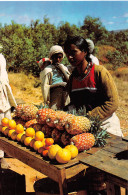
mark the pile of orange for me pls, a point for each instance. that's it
(36, 140)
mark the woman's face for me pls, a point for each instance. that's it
(75, 56)
(57, 58)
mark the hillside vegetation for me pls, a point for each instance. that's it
(24, 45)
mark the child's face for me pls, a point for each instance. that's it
(75, 56)
(57, 58)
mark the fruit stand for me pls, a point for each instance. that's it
(52, 142)
(57, 172)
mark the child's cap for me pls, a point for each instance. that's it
(44, 62)
(90, 45)
(55, 49)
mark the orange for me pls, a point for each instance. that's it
(10, 132)
(19, 128)
(39, 136)
(53, 150)
(13, 135)
(63, 155)
(5, 132)
(3, 129)
(19, 135)
(22, 138)
(11, 124)
(45, 152)
(32, 142)
(37, 145)
(27, 141)
(73, 149)
(4, 122)
(49, 141)
(30, 132)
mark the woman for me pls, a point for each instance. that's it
(54, 79)
(7, 100)
(91, 85)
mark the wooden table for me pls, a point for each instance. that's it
(113, 161)
(57, 172)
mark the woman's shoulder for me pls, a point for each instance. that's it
(100, 68)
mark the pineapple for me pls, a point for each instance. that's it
(56, 135)
(18, 110)
(65, 138)
(42, 114)
(30, 123)
(51, 117)
(77, 125)
(61, 118)
(47, 130)
(96, 136)
(26, 111)
(83, 141)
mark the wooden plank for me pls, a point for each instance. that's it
(109, 166)
(113, 149)
(112, 189)
(75, 170)
(117, 181)
(120, 144)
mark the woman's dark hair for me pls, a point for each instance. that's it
(80, 42)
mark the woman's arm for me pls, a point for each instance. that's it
(108, 88)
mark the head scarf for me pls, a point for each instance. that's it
(55, 49)
(90, 45)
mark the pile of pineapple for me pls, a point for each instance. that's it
(64, 129)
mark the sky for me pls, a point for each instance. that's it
(112, 14)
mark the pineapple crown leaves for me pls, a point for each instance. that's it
(80, 112)
(98, 131)
(40, 106)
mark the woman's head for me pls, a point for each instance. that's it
(76, 49)
(56, 54)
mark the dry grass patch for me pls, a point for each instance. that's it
(23, 87)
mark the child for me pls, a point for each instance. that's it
(54, 79)
(92, 85)
(7, 100)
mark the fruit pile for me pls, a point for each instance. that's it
(36, 140)
(56, 134)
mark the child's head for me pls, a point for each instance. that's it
(76, 49)
(56, 54)
(44, 62)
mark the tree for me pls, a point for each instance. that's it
(94, 29)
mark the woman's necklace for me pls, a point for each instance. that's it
(84, 73)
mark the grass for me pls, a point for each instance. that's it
(23, 87)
